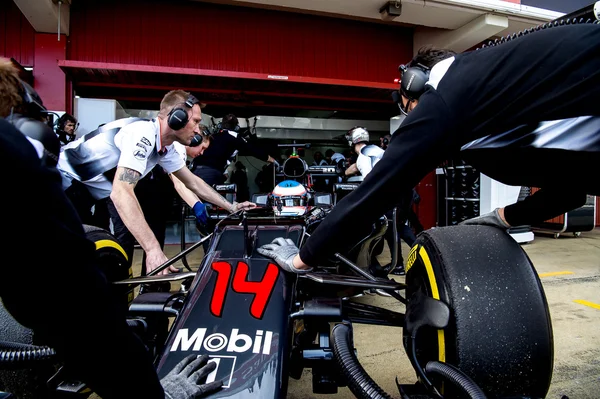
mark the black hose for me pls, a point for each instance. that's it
(359, 382)
(457, 377)
(17, 355)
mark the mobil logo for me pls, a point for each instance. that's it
(234, 342)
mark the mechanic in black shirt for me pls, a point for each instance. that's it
(225, 144)
(66, 126)
(545, 74)
(67, 301)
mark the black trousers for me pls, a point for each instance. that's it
(83, 202)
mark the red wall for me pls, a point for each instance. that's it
(16, 34)
(50, 81)
(211, 36)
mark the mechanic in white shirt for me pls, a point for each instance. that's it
(368, 154)
(112, 159)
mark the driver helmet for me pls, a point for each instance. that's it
(357, 134)
(290, 197)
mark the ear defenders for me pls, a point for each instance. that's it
(235, 129)
(412, 84)
(178, 117)
(196, 140)
(386, 141)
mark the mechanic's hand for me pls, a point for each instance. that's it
(183, 382)
(282, 251)
(200, 212)
(243, 206)
(489, 219)
(156, 258)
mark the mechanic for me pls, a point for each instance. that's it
(133, 147)
(188, 196)
(368, 156)
(225, 145)
(453, 99)
(66, 126)
(333, 158)
(67, 302)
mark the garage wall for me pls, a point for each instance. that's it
(17, 36)
(220, 37)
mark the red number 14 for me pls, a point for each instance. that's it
(262, 290)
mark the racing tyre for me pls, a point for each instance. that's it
(499, 332)
(112, 260)
(30, 382)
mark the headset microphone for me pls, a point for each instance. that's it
(396, 99)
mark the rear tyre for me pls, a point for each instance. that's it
(499, 332)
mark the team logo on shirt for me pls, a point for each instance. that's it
(145, 141)
(140, 153)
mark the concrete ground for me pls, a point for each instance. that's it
(569, 268)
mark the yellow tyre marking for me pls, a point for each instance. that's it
(110, 243)
(587, 303)
(436, 295)
(554, 274)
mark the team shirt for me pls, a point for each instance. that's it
(368, 156)
(130, 143)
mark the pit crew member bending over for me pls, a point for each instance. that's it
(68, 303)
(112, 159)
(453, 99)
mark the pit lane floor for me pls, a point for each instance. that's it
(569, 268)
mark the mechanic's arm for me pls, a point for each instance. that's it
(352, 170)
(185, 193)
(424, 140)
(130, 211)
(207, 193)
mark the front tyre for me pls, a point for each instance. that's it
(499, 332)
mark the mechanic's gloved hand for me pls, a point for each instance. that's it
(489, 219)
(183, 382)
(200, 212)
(201, 218)
(282, 251)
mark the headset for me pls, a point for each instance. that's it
(235, 129)
(30, 125)
(386, 141)
(178, 117)
(413, 80)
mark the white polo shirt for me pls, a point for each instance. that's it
(130, 143)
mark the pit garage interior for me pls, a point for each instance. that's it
(292, 72)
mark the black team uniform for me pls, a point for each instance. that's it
(546, 75)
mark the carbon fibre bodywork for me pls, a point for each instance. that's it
(237, 312)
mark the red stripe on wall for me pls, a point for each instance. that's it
(16, 34)
(219, 37)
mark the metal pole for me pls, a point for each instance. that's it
(59, 4)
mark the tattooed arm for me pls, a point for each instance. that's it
(131, 213)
